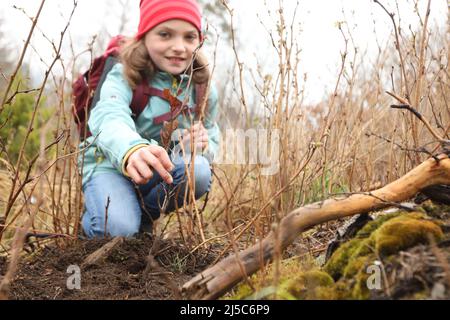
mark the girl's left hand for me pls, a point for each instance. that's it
(198, 134)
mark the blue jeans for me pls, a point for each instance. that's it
(114, 206)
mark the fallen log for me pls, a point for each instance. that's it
(220, 278)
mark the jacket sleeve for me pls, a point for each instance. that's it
(211, 125)
(111, 122)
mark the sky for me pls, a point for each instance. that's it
(316, 30)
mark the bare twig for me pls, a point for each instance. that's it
(407, 106)
(20, 61)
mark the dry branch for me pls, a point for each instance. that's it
(101, 253)
(218, 279)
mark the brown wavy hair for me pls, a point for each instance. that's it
(138, 64)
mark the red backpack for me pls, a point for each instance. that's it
(86, 95)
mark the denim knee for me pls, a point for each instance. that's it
(202, 171)
(114, 227)
(157, 195)
(122, 227)
(203, 176)
(121, 216)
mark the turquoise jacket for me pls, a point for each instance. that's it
(115, 132)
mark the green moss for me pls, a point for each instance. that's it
(371, 226)
(360, 290)
(340, 258)
(365, 247)
(360, 246)
(421, 295)
(380, 238)
(326, 293)
(357, 264)
(337, 291)
(242, 291)
(341, 290)
(404, 232)
(305, 285)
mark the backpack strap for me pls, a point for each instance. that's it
(201, 99)
(143, 92)
(168, 116)
(109, 63)
(140, 99)
(95, 80)
(141, 96)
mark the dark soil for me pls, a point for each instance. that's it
(122, 274)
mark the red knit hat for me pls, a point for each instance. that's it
(154, 12)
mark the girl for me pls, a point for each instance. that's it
(128, 177)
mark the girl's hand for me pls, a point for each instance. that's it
(198, 134)
(143, 161)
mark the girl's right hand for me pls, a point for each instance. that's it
(143, 161)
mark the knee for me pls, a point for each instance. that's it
(203, 176)
(112, 208)
(123, 228)
(113, 226)
(202, 171)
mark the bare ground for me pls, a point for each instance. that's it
(123, 274)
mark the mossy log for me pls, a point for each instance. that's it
(220, 278)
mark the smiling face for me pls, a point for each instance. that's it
(171, 45)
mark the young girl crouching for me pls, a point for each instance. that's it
(128, 177)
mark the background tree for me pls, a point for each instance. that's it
(14, 121)
(17, 113)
